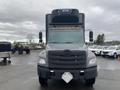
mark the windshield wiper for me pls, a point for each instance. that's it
(54, 42)
(61, 42)
(68, 42)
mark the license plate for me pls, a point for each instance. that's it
(67, 77)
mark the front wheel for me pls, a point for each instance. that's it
(43, 81)
(90, 82)
(103, 56)
(20, 51)
(28, 51)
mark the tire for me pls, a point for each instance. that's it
(27, 51)
(103, 56)
(90, 82)
(9, 62)
(13, 51)
(5, 60)
(20, 51)
(115, 55)
(100, 53)
(43, 82)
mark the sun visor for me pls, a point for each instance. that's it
(68, 19)
(65, 19)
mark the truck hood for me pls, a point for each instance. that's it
(70, 47)
(65, 46)
(53, 47)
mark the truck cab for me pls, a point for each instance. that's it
(66, 57)
(21, 47)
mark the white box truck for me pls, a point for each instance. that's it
(66, 57)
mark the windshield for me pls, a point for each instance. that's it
(66, 36)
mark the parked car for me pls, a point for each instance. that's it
(92, 48)
(97, 49)
(111, 51)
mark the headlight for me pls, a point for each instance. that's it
(92, 61)
(42, 61)
(42, 58)
(42, 54)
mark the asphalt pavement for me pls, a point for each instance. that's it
(21, 74)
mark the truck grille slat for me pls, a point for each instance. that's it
(67, 59)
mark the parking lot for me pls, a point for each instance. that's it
(22, 75)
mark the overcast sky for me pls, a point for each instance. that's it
(19, 18)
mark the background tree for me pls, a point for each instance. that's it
(100, 39)
(103, 38)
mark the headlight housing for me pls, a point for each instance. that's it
(92, 61)
(42, 58)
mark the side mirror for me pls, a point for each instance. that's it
(91, 36)
(40, 37)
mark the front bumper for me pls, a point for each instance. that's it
(107, 54)
(47, 73)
